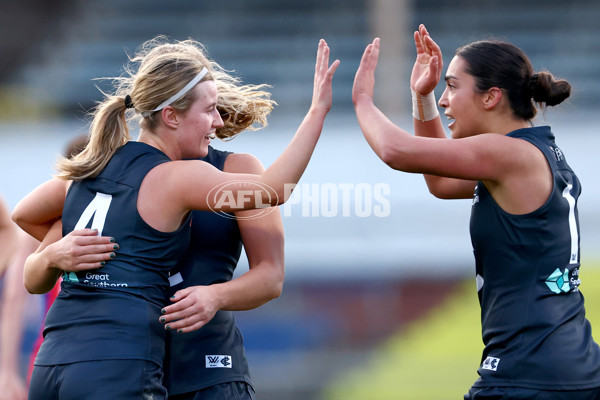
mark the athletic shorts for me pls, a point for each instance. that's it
(517, 393)
(98, 380)
(224, 391)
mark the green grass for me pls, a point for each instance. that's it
(437, 357)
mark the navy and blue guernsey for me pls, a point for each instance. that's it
(113, 312)
(533, 319)
(215, 353)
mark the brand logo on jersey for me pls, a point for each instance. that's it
(557, 153)
(491, 363)
(218, 361)
(70, 277)
(558, 281)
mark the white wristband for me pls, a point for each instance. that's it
(424, 107)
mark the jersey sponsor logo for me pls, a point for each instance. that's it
(490, 363)
(558, 154)
(70, 276)
(558, 281)
(218, 361)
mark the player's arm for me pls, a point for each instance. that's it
(8, 237)
(263, 239)
(80, 250)
(12, 314)
(41, 208)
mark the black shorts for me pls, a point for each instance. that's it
(223, 391)
(517, 393)
(98, 380)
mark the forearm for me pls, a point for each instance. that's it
(431, 129)
(387, 140)
(14, 297)
(39, 274)
(440, 186)
(254, 288)
(291, 164)
(8, 245)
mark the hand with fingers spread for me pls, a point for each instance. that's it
(427, 70)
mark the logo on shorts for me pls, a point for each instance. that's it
(218, 361)
(490, 363)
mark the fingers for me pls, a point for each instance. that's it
(418, 43)
(436, 54)
(84, 232)
(371, 56)
(322, 67)
(89, 237)
(181, 303)
(182, 323)
(183, 319)
(332, 69)
(83, 250)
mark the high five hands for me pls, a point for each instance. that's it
(425, 75)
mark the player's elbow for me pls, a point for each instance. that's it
(274, 286)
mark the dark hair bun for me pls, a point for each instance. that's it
(549, 90)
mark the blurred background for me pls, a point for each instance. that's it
(379, 300)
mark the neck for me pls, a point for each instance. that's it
(504, 124)
(161, 142)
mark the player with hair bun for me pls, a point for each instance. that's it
(524, 221)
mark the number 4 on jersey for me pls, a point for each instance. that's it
(96, 212)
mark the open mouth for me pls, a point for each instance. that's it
(451, 120)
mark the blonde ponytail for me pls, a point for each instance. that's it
(108, 132)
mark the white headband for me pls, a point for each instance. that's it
(179, 94)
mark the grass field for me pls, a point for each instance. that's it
(436, 358)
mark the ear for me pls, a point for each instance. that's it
(491, 98)
(169, 117)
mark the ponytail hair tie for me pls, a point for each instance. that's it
(128, 102)
(533, 81)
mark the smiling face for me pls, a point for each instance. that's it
(463, 104)
(198, 124)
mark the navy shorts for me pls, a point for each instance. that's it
(98, 380)
(223, 391)
(517, 393)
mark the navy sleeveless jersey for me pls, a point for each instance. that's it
(214, 353)
(533, 319)
(113, 312)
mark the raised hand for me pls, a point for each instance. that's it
(427, 70)
(364, 80)
(322, 93)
